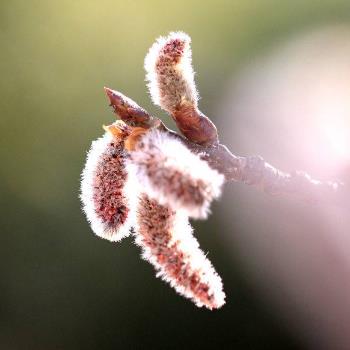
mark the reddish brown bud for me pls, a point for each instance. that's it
(194, 124)
(128, 110)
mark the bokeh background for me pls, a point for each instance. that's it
(274, 76)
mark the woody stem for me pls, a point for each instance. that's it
(251, 170)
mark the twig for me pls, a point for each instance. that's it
(251, 170)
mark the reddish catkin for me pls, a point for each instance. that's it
(170, 173)
(171, 84)
(128, 110)
(167, 242)
(169, 72)
(106, 191)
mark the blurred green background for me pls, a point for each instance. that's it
(61, 287)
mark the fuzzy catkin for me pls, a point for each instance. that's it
(166, 239)
(170, 173)
(106, 192)
(170, 75)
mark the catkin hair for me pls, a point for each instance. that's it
(106, 189)
(170, 173)
(170, 75)
(166, 239)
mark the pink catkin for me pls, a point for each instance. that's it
(179, 262)
(110, 176)
(104, 192)
(169, 72)
(172, 174)
(171, 84)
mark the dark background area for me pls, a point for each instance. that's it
(63, 288)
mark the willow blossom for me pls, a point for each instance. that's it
(141, 179)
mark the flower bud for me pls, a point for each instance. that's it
(170, 173)
(107, 191)
(166, 239)
(169, 72)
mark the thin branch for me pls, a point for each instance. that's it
(251, 170)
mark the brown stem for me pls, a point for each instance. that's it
(251, 170)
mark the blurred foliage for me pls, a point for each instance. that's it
(61, 287)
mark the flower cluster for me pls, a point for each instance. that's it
(169, 72)
(170, 173)
(106, 187)
(140, 178)
(171, 84)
